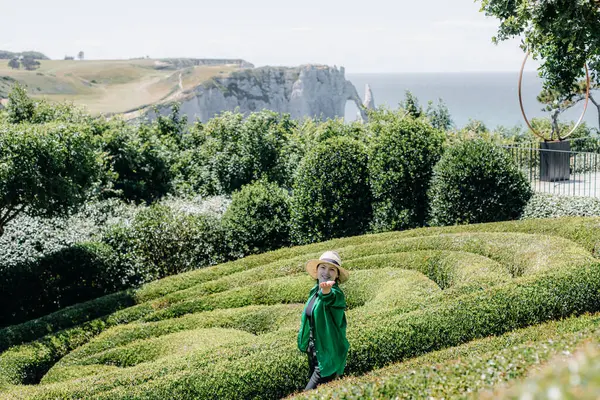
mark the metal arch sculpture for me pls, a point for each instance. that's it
(587, 98)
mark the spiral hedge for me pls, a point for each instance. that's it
(229, 331)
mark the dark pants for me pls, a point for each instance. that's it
(313, 366)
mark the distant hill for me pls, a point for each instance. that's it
(36, 55)
(114, 86)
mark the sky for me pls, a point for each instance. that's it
(373, 36)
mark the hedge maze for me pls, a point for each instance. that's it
(440, 312)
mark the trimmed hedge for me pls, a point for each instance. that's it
(543, 205)
(471, 368)
(71, 275)
(584, 231)
(331, 194)
(386, 324)
(258, 218)
(576, 377)
(65, 318)
(476, 182)
(401, 160)
(251, 368)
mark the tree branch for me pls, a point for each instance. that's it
(12, 216)
(8, 210)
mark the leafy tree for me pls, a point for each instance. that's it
(411, 105)
(140, 161)
(564, 33)
(557, 102)
(439, 116)
(30, 63)
(231, 152)
(475, 182)
(401, 161)
(331, 196)
(80, 55)
(45, 170)
(21, 107)
(14, 63)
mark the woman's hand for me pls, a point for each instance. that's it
(326, 286)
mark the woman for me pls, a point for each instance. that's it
(322, 332)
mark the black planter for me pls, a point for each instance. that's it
(555, 161)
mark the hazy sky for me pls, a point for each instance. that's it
(363, 36)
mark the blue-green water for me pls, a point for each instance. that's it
(488, 97)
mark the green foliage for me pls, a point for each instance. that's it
(172, 126)
(331, 196)
(403, 153)
(30, 63)
(230, 152)
(28, 239)
(578, 376)
(439, 116)
(71, 275)
(410, 105)
(543, 205)
(14, 63)
(139, 162)
(80, 316)
(477, 182)
(62, 112)
(45, 170)
(564, 34)
(472, 368)
(396, 314)
(33, 54)
(20, 107)
(161, 242)
(258, 218)
(583, 232)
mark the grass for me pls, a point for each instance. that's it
(229, 331)
(107, 86)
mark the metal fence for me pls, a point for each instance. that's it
(563, 172)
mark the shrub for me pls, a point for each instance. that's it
(543, 205)
(162, 242)
(472, 367)
(71, 275)
(402, 156)
(331, 196)
(258, 218)
(230, 152)
(246, 368)
(46, 170)
(387, 323)
(477, 182)
(20, 107)
(577, 376)
(139, 162)
(27, 239)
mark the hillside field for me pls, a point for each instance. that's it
(108, 86)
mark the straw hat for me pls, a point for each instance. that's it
(328, 258)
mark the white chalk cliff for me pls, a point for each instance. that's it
(305, 91)
(368, 104)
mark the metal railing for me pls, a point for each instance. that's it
(569, 173)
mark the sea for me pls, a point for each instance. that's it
(490, 97)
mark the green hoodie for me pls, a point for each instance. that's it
(329, 330)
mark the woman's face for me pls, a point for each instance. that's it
(326, 273)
